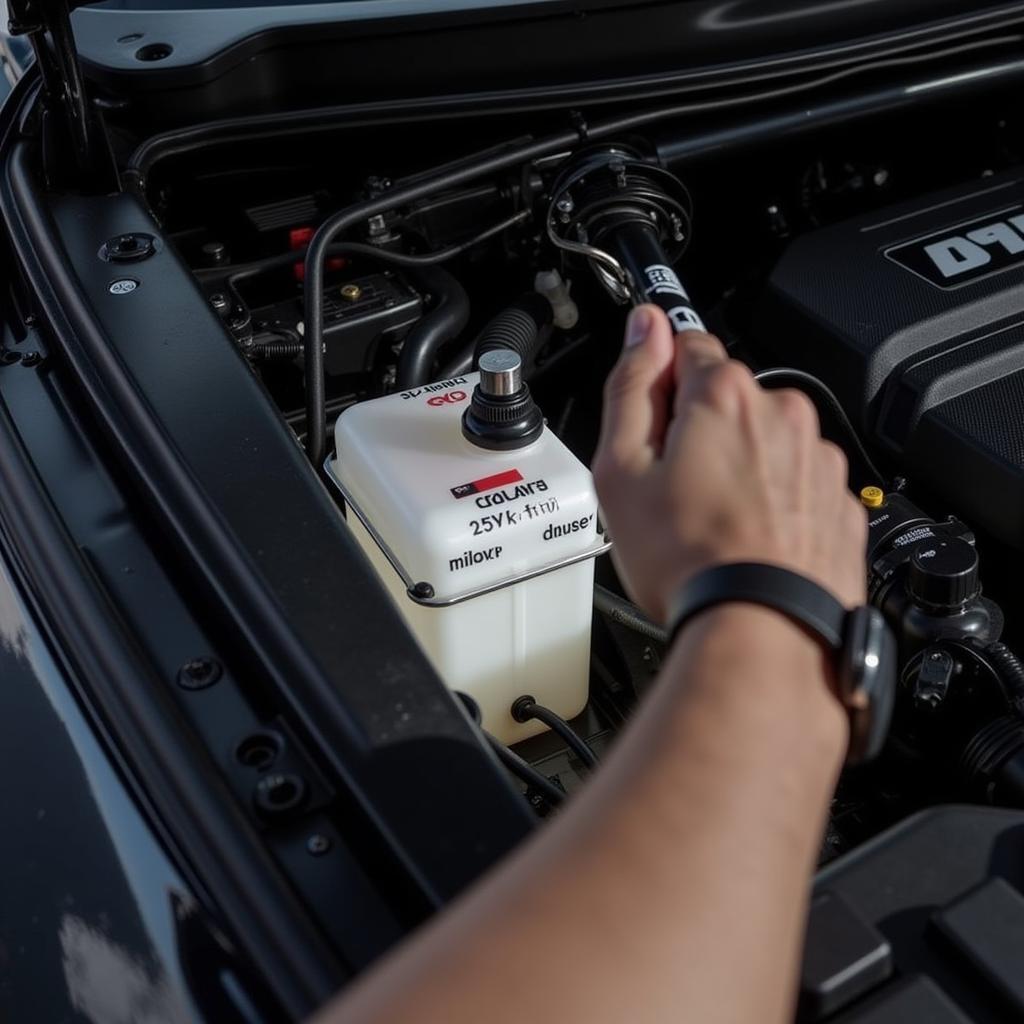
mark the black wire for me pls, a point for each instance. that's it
(526, 709)
(256, 268)
(625, 613)
(525, 772)
(782, 375)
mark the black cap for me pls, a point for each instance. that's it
(503, 415)
(944, 574)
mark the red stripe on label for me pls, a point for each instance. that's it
(488, 483)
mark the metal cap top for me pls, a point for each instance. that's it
(501, 373)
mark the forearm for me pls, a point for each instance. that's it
(687, 857)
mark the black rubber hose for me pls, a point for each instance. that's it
(526, 709)
(523, 770)
(625, 613)
(445, 322)
(519, 327)
(1010, 670)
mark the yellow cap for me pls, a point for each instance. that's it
(872, 497)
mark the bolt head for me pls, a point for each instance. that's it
(318, 844)
(198, 673)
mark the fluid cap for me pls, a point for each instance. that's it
(502, 415)
(944, 574)
(501, 373)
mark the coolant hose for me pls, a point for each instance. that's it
(520, 327)
(445, 322)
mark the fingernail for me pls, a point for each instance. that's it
(638, 326)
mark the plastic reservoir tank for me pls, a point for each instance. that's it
(483, 527)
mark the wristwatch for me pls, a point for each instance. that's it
(861, 643)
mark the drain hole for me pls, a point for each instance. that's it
(259, 750)
(280, 792)
(154, 51)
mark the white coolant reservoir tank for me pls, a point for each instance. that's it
(484, 527)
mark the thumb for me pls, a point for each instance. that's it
(638, 392)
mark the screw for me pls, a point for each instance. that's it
(351, 292)
(565, 206)
(936, 656)
(318, 844)
(198, 673)
(220, 302)
(30, 320)
(130, 247)
(424, 591)
(31, 359)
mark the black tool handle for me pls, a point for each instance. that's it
(635, 244)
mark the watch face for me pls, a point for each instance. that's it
(869, 681)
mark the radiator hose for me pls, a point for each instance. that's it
(444, 323)
(521, 327)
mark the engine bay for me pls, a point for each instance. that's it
(875, 267)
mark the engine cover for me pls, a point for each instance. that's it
(915, 317)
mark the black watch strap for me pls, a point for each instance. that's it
(788, 592)
(860, 641)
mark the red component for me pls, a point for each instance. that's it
(299, 238)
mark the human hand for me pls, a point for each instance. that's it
(698, 466)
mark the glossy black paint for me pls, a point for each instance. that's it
(231, 62)
(96, 920)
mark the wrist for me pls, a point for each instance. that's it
(760, 657)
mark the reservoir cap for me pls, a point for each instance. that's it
(944, 574)
(503, 415)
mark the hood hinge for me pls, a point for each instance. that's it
(73, 127)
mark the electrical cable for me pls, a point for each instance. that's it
(625, 613)
(525, 772)
(526, 709)
(495, 161)
(247, 271)
(782, 375)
